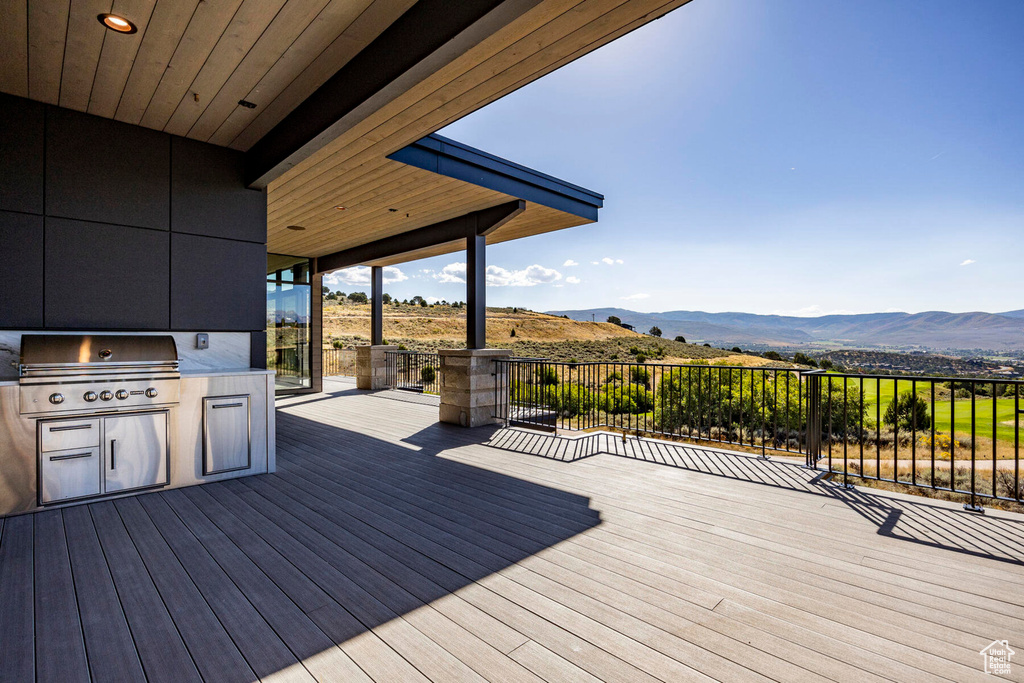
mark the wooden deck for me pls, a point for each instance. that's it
(390, 548)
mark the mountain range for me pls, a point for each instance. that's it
(932, 330)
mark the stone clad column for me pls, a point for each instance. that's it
(468, 385)
(371, 366)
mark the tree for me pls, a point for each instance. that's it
(341, 294)
(358, 298)
(737, 349)
(826, 364)
(771, 355)
(681, 339)
(614, 320)
(326, 290)
(908, 412)
(331, 297)
(655, 331)
(423, 303)
(801, 358)
(386, 298)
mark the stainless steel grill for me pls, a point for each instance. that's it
(70, 373)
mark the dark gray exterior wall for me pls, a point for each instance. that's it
(109, 226)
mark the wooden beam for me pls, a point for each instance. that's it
(429, 35)
(476, 292)
(477, 223)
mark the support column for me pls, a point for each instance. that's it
(316, 333)
(371, 367)
(469, 386)
(376, 305)
(476, 291)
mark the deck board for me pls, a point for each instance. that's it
(388, 547)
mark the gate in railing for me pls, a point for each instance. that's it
(960, 435)
(413, 371)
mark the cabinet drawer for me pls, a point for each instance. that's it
(60, 435)
(226, 446)
(67, 475)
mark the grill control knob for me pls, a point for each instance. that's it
(151, 392)
(56, 399)
(106, 395)
(90, 396)
(121, 394)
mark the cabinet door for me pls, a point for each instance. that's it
(135, 451)
(226, 445)
(67, 475)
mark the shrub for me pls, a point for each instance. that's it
(655, 331)
(826, 364)
(428, 374)
(358, 298)
(337, 343)
(641, 358)
(614, 320)
(512, 333)
(908, 412)
(737, 349)
(771, 355)
(403, 347)
(634, 349)
(680, 338)
(625, 398)
(546, 377)
(614, 377)
(640, 376)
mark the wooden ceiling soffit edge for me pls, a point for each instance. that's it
(432, 33)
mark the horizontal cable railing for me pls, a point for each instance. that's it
(413, 371)
(954, 434)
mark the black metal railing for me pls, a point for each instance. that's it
(339, 362)
(413, 371)
(954, 434)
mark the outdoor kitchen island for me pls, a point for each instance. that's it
(156, 431)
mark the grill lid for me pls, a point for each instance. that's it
(114, 349)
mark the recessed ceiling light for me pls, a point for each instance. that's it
(116, 23)
(295, 227)
(339, 207)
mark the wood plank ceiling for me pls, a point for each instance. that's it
(552, 34)
(190, 62)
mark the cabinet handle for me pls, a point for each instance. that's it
(112, 442)
(55, 458)
(228, 405)
(70, 428)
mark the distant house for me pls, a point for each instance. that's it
(628, 327)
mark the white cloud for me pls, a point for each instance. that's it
(528, 277)
(968, 262)
(572, 280)
(595, 263)
(619, 261)
(608, 261)
(359, 276)
(635, 297)
(453, 272)
(569, 263)
(502, 277)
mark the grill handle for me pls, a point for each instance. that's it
(112, 443)
(228, 405)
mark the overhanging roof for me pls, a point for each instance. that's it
(431, 181)
(339, 87)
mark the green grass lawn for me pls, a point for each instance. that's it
(883, 391)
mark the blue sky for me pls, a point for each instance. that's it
(792, 156)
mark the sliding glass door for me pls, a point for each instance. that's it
(288, 321)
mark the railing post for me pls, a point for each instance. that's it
(813, 417)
